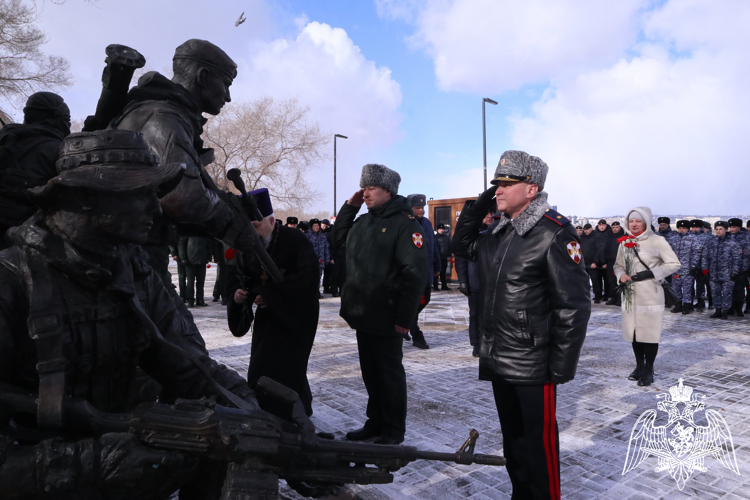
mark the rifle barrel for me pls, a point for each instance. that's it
(462, 458)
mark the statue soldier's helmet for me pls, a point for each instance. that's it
(110, 161)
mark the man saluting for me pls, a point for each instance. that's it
(536, 308)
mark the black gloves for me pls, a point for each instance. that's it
(484, 202)
(643, 275)
(464, 288)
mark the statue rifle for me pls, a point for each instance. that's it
(258, 447)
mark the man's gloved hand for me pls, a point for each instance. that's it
(484, 202)
(643, 275)
(464, 288)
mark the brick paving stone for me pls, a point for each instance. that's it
(596, 411)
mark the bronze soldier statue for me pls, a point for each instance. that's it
(81, 314)
(27, 156)
(169, 114)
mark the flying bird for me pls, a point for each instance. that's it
(240, 20)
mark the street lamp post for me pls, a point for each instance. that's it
(484, 139)
(334, 170)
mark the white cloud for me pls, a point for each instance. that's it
(646, 103)
(488, 46)
(669, 132)
(347, 94)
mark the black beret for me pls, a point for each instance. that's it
(587, 226)
(683, 223)
(696, 223)
(735, 222)
(722, 223)
(616, 223)
(579, 227)
(326, 222)
(663, 220)
(602, 221)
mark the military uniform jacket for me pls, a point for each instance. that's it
(688, 250)
(89, 306)
(743, 243)
(724, 259)
(536, 293)
(386, 266)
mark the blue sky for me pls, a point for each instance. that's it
(635, 102)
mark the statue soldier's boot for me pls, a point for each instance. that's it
(716, 314)
(648, 375)
(121, 63)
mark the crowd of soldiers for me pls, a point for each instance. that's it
(713, 266)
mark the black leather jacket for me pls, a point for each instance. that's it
(536, 294)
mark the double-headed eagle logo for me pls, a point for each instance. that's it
(681, 446)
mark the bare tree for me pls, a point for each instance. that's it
(24, 69)
(272, 143)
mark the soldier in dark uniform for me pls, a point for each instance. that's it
(386, 270)
(536, 309)
(443, 242)
(27, 156)
(287, 316)
(79, 308)
(740, 283)
(418, 202)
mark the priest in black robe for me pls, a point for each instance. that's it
(286, 314)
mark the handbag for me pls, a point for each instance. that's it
(670, 297)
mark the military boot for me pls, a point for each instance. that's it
(724, 314)
(700, 306)
(677, 308)
(648, 375)
(687, 308)
(738, 309)
(716, 314)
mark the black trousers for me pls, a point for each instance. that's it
(415, 331)
(443, 270)
(530, 438)
(329, 278)
(383, 373)
(475, 306)
(196, 277)
(596, 282)
(219, 291)
(610, 280)
(181, 278)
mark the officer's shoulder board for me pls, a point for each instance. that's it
(408, 215)
(556, 217)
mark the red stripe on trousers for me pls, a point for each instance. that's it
(550, 421)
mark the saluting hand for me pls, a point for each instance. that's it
(357, 198)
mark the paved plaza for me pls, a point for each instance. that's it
(595, 412)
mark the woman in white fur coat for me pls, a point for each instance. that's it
(643, 302)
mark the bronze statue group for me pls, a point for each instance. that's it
(89, 318)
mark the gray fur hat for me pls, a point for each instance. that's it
(417, 200)
(519, 166)
(380, 175)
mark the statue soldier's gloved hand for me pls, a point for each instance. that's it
(115, 462)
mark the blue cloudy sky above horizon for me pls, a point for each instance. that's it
(634, 102)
